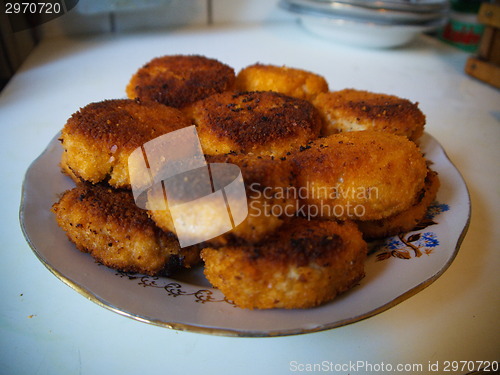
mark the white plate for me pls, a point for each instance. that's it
(394, 272)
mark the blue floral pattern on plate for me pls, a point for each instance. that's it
(410, 245)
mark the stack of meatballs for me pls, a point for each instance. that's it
(324, 171)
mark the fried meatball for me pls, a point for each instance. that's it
(353, 110)
(99, 138)
(262, 123)
(305, 264)
(363, 175)
(407, 220)
(108, 225)
(180, 80)
(289, 81)
(269, 201)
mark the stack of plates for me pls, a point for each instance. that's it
(370, 23)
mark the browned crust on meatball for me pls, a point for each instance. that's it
(379, 173)
(123, 122)
(352, 110)
(260, 170)
(305, 264)
(294, 82)
(99, 138)
(107, 224)
(266, 181)
(266, 123)
(406, 220)
(179, 80)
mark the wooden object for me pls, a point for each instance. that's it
(486, 65)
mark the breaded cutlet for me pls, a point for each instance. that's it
(363, 175)
(179, 80)
(355, 110)
(269, 203)
(261, 123)
(290, 81)
(98, 139)
(304, 264)
(107, 224)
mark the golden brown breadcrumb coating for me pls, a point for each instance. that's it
(305, 264)
(263, 123)
(286, 80)
(363, 175)
(354, 110)
(99, 138)
(179, 80)
(407, 220)
(265, 179)
(107, 224)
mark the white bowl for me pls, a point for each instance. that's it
(359, 10)
(361, 34)
(359, 31)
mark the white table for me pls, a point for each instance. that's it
(48, 328)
